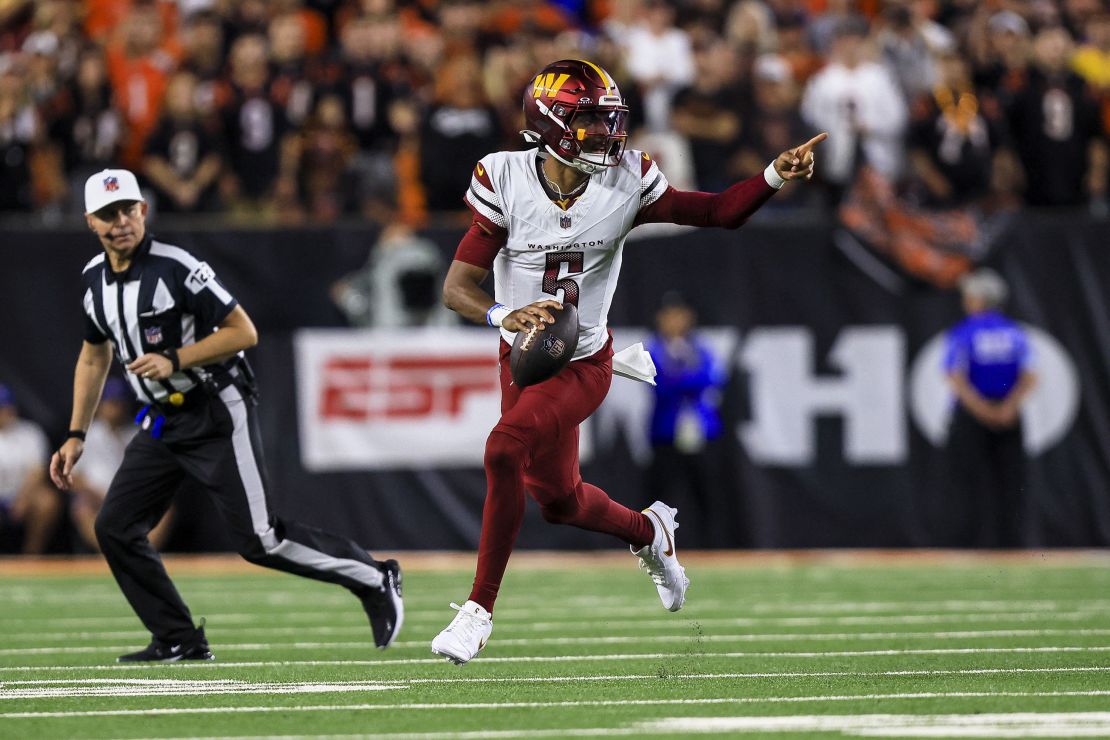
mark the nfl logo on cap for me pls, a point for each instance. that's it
(111, 186)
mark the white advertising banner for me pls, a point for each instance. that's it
(373, 399)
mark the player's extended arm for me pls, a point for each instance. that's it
(732, 207)
(88, 383)
(236, 333)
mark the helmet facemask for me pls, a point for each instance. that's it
(600, 135)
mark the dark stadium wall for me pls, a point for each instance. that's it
(860, 463)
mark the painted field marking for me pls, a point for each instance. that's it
(1028, 724)
(616, 607)
(1016, 724)
(1073, 616)
(620, 608)
(215, 665)
(557, 642)
(611, 639)
(557, 705)
(113, 687)
(355, 629)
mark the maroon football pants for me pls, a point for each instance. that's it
(534, 447)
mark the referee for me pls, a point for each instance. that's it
(160, 307)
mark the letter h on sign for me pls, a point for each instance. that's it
(787, 396)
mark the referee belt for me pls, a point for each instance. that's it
(176, 402)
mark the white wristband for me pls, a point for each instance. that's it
(773, 178)
(496, 314)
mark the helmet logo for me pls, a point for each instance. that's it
(585, 101)
(549, 83)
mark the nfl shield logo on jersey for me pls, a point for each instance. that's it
(153, 335)
(564, 222)
(111, 184)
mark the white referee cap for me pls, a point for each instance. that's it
(110, 186)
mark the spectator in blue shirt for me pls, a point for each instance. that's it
(685, 420)
(989, 369)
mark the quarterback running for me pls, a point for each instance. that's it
(551, 223)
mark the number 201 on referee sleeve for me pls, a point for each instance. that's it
(551, 282)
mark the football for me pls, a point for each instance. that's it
(539, 355)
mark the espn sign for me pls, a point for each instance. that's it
(361, 388)
(386, 398)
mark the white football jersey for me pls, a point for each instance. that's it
(573, 256)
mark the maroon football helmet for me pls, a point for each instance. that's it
(574, 109)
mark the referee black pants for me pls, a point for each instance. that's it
(215, 443)
(988, 476)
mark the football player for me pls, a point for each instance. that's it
(551, 223)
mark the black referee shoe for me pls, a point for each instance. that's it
(164, 652)
(383, 605)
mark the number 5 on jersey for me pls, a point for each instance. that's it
(551, 282)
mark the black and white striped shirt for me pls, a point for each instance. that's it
(166, 298)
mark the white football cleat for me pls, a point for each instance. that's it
(466, 635)
(659, 558)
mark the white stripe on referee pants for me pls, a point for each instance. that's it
(294, 552)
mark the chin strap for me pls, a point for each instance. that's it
(586, 168)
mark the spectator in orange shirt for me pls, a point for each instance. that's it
(138, 67)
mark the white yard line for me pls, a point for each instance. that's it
(687, 641)
(619, 607)
(1025, 724)
(991, 617)
(113, 687)
(596, 640)
(216, 665)
(622, 624)
(568, 704)
(1017, 724)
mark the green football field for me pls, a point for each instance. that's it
(803, 645)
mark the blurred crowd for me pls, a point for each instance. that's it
(310, 110)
